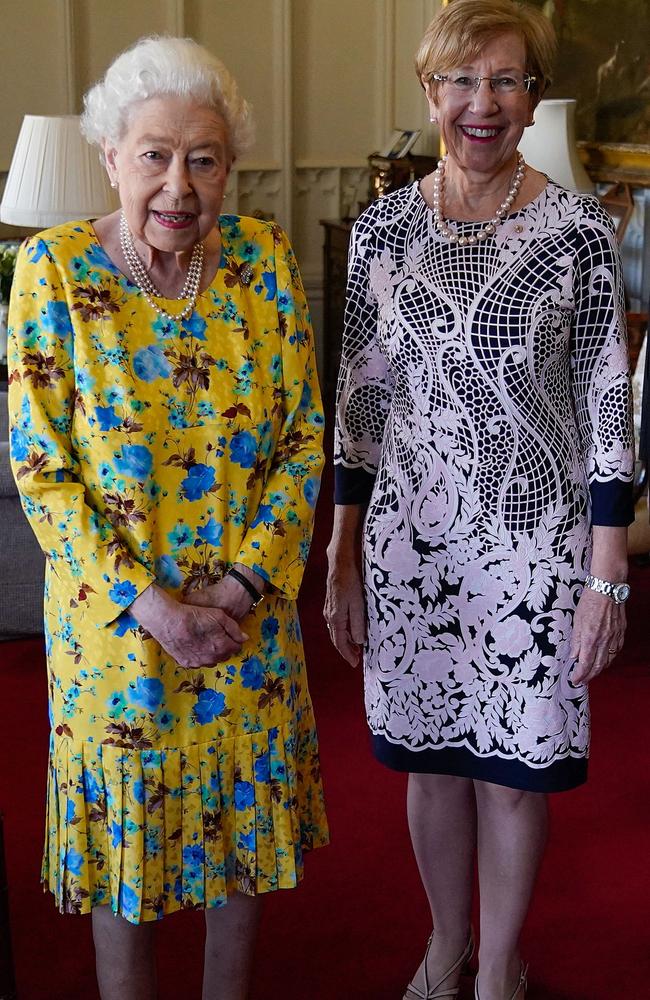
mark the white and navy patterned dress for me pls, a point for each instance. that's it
(484, 417)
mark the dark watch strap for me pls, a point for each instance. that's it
(254, 593)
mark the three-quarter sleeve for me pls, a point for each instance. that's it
(600, 370)
(365, 384)
(92, 565)
(277, 540)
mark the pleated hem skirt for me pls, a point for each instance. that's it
(151, 831)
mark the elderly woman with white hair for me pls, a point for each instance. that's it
(166, 439)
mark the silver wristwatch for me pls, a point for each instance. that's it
(619, 592)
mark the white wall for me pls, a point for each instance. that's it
(328, 79)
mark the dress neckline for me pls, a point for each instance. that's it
(92, 233)
(418, 196)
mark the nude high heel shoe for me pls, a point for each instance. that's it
(521, 985)
(432, 992)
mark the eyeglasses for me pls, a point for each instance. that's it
(462, 84)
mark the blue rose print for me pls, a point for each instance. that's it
(168, 573)
(56, 318)
(107, 418)
(244, 794)
(270, 283)
(246, 841)
(210, 532)
(285, 302)
(310, 489)
(38, 250)
(270, 627)
(29, 334)
(305, 398)
(193, 855)
(209, 706)
(164, 328)
(181, 536)
(19, 444)
(198, 481)
(91, 788)
(74, 861)
(97, 257)
(252, 673)
(123, 593)
(195, 326)
(263, 769)
(135, 461)
(264, 515)
(243, 449)
(150, 363)
(128, 900)
(125, 623)
(148, 693)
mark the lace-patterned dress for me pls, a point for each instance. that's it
(484, 418)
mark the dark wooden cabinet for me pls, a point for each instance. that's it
(335, 264)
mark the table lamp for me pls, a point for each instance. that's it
(55, 175)
(550, 145)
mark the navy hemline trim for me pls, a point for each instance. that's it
(561, 776)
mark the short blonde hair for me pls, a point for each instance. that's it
(461, 29)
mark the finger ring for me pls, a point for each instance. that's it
(612, 651)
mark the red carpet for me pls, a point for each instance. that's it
(356, 928)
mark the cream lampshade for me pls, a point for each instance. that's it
(550, 145)
(55, 176)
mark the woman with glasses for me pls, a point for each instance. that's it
(483, 486)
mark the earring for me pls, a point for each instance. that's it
(113, 184)
(433, 120)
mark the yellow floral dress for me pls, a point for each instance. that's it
(148, 450)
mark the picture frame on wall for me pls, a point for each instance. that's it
(400, 143)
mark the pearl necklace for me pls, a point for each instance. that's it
(190, 289)
(499, 215)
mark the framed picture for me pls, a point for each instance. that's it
(603, 63)
(400, 143)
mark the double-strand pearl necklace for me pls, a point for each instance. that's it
(190, 289)
(491, 227)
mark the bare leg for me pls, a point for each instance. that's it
(512, 828)
(125, 957)
(442, 821)
(229, 943)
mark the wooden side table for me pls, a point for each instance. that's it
(335, 269)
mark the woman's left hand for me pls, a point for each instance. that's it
(228, 594)
(598, 633)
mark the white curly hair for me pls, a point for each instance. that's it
(156, 66)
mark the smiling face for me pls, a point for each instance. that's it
(171, 167)
(481, 130)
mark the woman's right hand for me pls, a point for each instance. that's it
(193, 636)
(345, 608)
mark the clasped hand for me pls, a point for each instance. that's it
(202, 631)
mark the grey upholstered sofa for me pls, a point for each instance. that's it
(21, 560)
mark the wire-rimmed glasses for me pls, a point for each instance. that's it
(462, 84)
